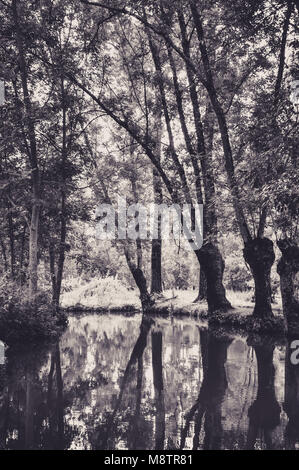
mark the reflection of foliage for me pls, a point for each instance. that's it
(33, 421)
(3, 377)
(91, 383)
(93, 407)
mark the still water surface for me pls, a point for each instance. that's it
(113, 382)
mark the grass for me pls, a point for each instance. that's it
(99, 294)
(110, 294)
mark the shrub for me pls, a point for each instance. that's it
(20, 320)
(238, 278)
(102, 293)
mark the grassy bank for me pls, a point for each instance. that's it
(109, 294)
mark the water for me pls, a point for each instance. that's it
(110, 384)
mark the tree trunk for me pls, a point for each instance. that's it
(140, 280)
(156, 287)
(21, 271)
(202, 287)
(222, 122)
(11, 243)
(212, 264)
(259, 255)
(33, 250)
(156, 256)
(61, 251)
(287, 268)
(31, 147)
(4, 254)
(204, 152)
(52, 271)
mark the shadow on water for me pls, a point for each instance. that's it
(114, 382)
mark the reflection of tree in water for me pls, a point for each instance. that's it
(104, 435)
(264, 413)
(32, 415)
(182, 372)
(111, 391)
(159, 389)
(57, 430)
(212, 392)
(291, 401)
(139, 421)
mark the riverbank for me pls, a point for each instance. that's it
(110, 296)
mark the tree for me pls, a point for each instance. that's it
(176, 184)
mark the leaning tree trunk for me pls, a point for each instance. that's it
(140, 280)
(211, 262)
(156, 255)
(259, 255)
(288, 268)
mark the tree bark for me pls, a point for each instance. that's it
(174, 156)
(140, 280)
(33, 250)
(4, 254)
(221, 118)
(21, 272)
(156, 266)
(52, 271)
(156, 255)
(61, 251)
(202, 287)
(11, 243)
(259, 255)
(212, 264)
(204, 154)
(32, 157)
(288, 268)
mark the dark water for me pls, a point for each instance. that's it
(111, 384)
